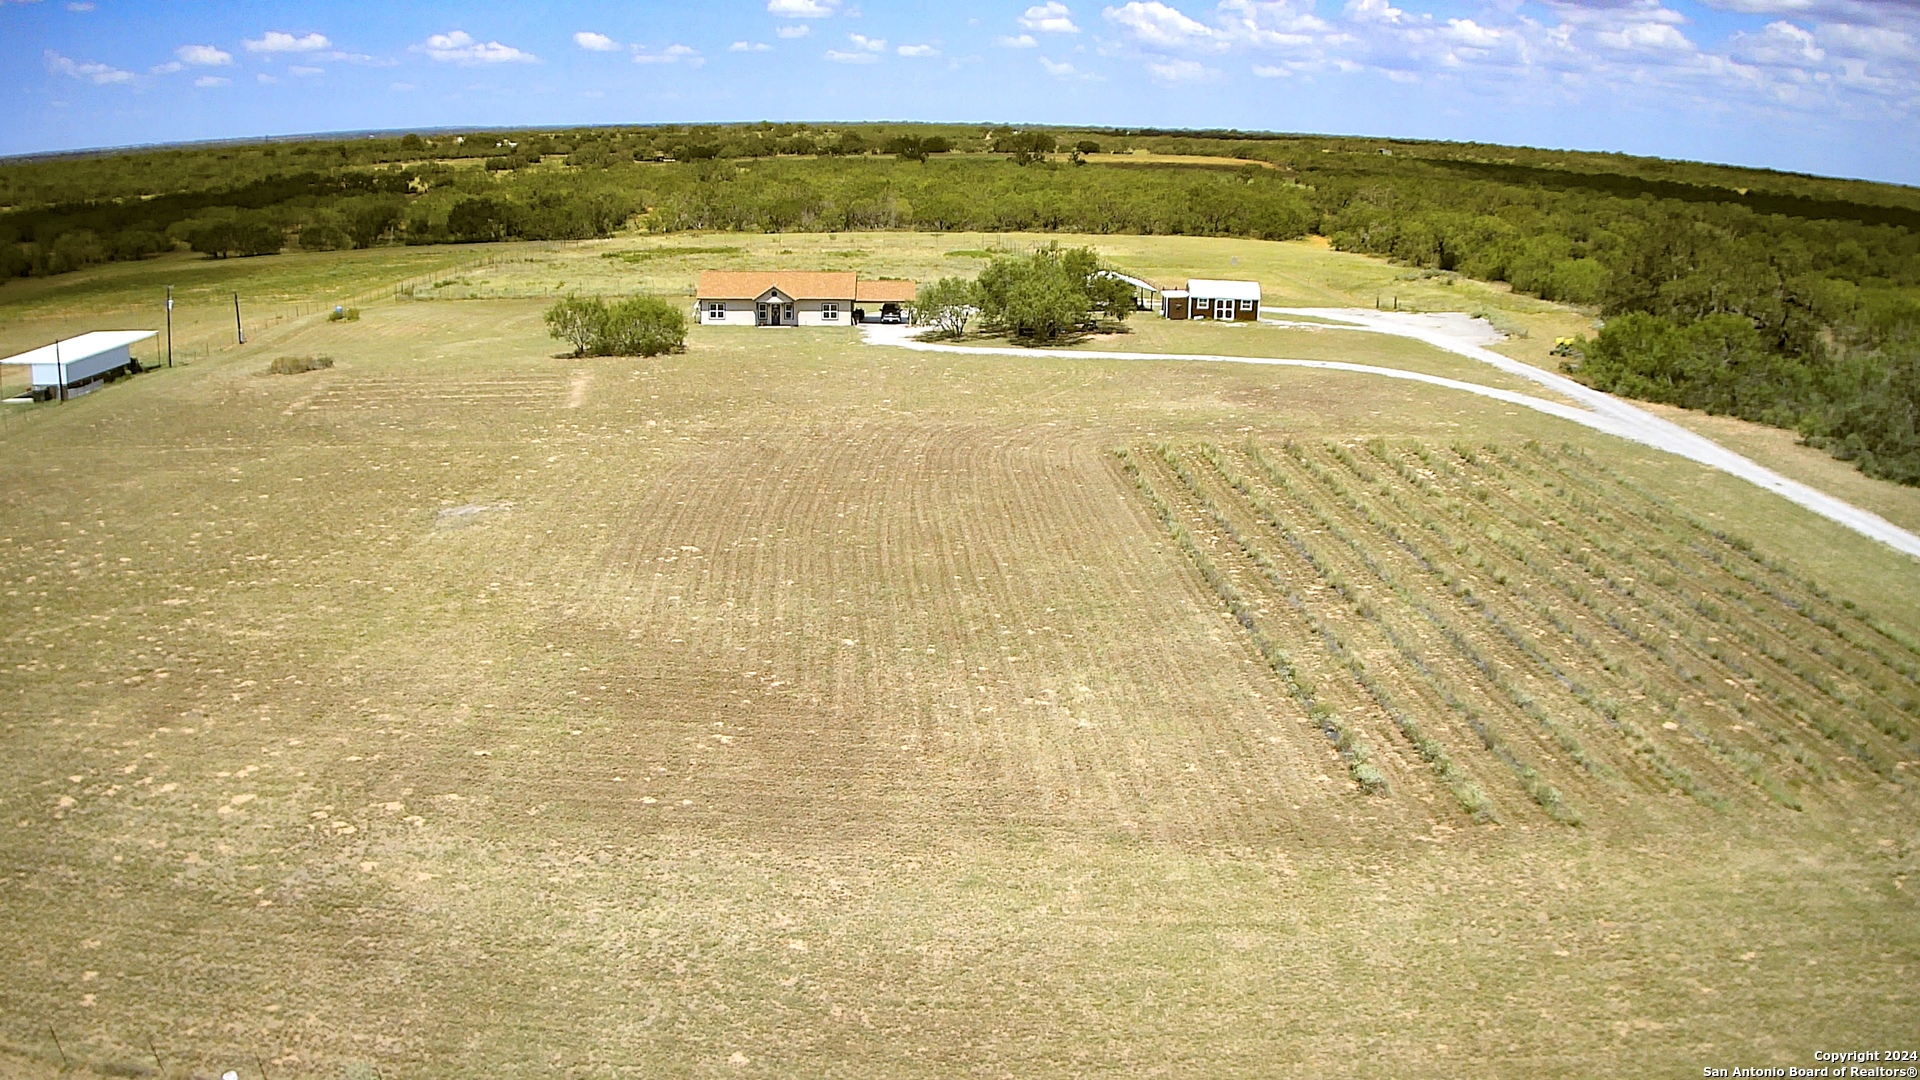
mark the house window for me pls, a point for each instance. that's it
(830, 312)
(1201, 303)
(717, 311)
(1246, 305)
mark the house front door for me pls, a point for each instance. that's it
(1223, 309)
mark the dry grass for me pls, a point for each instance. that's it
(794, 707)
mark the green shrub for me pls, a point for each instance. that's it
(344, 314)
(637, 326)
(294, 365)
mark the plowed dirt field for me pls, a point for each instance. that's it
(793, 707)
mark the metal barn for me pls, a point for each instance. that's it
(75, 365)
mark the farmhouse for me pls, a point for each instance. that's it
(1204, 298)
(76, 365)
(799, 298)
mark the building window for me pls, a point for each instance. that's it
(1201, 303)
(1246, 305)
(830, 312)
(717, 311)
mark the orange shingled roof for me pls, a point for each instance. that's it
(799, 284)
(887, 291)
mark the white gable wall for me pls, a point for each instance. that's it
(805, 312)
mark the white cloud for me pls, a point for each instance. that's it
(1375, 11)
(672, 54)
(1763, 7)
(1645, 36)
(1180, 71)
(167, 68)
(208, 81)
(1473, 35)
(279, 41)
(862, 41)
(1819, 59)
(1052, 17)
(1062, 69)
(304, 71)
(459, 47)
(1875, 43)
(917, 50)
(593, 42)
(797, 30)
(859, 55)
(801, 9)
(1285, 24)
(79, 5)
(1781, 44)
(99, 74)
(1023, 41)
(203, 55)
(749, 46)
(1154, 23)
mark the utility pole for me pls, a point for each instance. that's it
(237, 330)
(169, 326)
(59, 370)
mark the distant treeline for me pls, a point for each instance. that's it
(1791, 300)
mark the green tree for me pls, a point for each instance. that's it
(373, 221)
(1041, 296)
(947, 305)
(578, 321)
(1026, 147)
(322, 231)
(1109, 296)
(478, 220)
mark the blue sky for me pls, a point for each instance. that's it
(1822, 86)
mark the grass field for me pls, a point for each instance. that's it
(796, 707)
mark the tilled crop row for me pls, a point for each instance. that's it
(1528, 613)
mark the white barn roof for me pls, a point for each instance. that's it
(1138, 283)
(75, 349)
(1224, 290)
